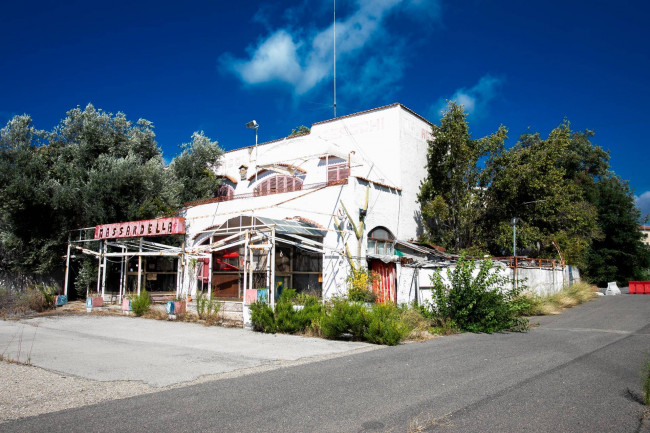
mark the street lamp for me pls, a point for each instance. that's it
(514, 236)
(254, 125)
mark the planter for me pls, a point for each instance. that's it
(176, 307)
(94, 302)
(180, 306)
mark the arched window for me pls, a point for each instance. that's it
(278, 184)
(381, 241)
(225, 192)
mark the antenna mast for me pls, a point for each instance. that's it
(334, 58)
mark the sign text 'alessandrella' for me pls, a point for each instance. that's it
(133, 229)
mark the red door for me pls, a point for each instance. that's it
(384, 285)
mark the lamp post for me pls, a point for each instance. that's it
(254, 125)
(514, 236)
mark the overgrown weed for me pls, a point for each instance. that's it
(569, 296)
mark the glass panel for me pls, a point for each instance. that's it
(305, 261)
(371, 246)
(307, 284)
(381, 248)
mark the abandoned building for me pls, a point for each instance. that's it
(297, 213)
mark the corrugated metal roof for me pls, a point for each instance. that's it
(292, 227)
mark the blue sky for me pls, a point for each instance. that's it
(214, 66)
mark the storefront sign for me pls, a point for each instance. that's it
(135, 229)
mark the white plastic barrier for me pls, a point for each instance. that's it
(612, 289)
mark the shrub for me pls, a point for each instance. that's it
(38, 298)
(141, 303)
(360, 282)
(262, 317)
(384, 325)
(476, 304)
(344, 317)
(207, 308)
(285, 318)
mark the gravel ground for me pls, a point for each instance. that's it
(28, 391)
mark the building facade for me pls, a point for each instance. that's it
(300, 211)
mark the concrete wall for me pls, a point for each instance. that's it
(538, 281)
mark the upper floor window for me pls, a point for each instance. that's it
(225, 192)
(278, 184)
(338, 172)
(381, 241)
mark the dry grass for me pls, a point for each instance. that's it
(423, 423)
(554, 304)
(421, 328)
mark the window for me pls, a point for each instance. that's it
(338, 173)
(278, 184)
(381, 241)
(225, 192)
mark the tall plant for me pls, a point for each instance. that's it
(476, 299)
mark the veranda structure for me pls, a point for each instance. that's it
(126, 251)
(250, 254)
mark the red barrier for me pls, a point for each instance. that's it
(639, 287)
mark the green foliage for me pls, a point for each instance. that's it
(344, 317)
(302, 129)
(360, 281)
(540, 181)
(263, 318)
(619, 255)
(449, 196)
(193, 168)
(480, 303)
(286, 318)
(94, 167)
(207, 308)
(385, 325)
(141, 303)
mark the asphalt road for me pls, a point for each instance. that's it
(577, 372)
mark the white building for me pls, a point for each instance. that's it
(296, 202)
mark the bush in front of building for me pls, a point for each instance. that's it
(286, 318)
(344, 318)
(141, 303)
(385, 325)
(263, 318)
(360, 281)
(477, 300)
(379, 324)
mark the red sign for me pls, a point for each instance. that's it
(136, 229)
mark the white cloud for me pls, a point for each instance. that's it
(475, 99)
(302, 57)
(643, 203)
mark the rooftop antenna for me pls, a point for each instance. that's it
(335, 58)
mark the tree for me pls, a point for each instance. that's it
(619, 255)
(94, 167)
(194, 168)
(536, 182)
(26, 215)
(451, 196)
(302, 129)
